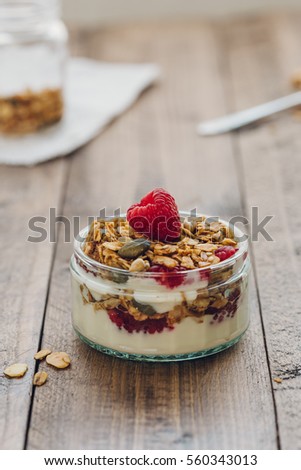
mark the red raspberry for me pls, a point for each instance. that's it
(124, 320)
(169, 277)
(225, 252)
(156, 216)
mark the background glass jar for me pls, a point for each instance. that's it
(33, 52)
(142, 316)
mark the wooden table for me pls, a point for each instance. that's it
(229, 400)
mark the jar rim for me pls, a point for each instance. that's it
(96, 265)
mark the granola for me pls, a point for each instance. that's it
(29, 111)
(114, 243)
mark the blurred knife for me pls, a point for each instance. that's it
(243, 118)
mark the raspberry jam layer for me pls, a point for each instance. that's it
(124, 320)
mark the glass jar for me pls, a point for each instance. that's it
(185, 315)
(33, 52)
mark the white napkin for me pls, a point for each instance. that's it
(96, 92)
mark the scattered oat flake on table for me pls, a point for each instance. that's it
(42, 354)
(60, 360)
(40, 378)
(277, 380)
(16, 370)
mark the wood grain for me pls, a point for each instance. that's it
(101, 402)
(24, 279)
(262, 56)
(24, 275)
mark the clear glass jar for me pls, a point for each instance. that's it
(208, 307)
(33, 53)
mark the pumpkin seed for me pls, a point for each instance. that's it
(134, 248)
(144, 308)
(119, 278)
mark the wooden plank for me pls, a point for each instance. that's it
(102, 402)
(262, 55)
(24, 277)
(25, 269)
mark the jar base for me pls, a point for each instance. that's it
(159, 357)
